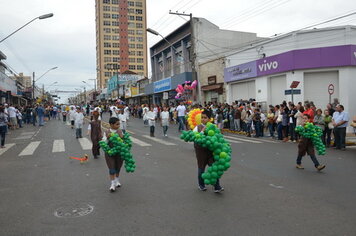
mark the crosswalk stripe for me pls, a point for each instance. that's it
(85, 143)
(242, 139)
(233, 141)
(259, 140)
(159, 140)
(7, 147)
(139, 142)
(30, 149)
(58, 145)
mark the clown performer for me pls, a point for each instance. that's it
(203, 154)
(306, 145)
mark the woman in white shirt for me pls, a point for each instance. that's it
(165, 120)
(151, 117)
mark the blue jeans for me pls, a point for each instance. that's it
(165, 129)
(280, 131)
(78, 133)
(312, 157)
(40, 120)
(292, 132)
(258, 128)
(340, 134)
(271, 129)
(34, 120)
(181, 120)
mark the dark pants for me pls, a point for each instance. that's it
(312, 157)
(96, 148)
(34, 120)
(181, 120)
(152, 130)
(28, 119)
(78, 133)
(201, 181)
(3, 134)
(258, 128)
(279, 130)
(292, 132)
(165, 129)
(271, 129)
(340, 135)
(327, 136)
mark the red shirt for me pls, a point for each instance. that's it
(310, 112)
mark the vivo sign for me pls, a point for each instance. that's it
(266, 66)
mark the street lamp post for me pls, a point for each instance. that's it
(33, 80)
(39, 17)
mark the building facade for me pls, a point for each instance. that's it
(121, 39)
(322, 61)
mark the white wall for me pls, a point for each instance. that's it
(347, 81)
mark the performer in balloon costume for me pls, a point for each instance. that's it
(117, 147)
(210, 148)
(310, 138)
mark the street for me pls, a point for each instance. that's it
(43, 192)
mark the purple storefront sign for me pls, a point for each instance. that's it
(243, 71)
(298, 59)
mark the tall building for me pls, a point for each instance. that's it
(121, 39)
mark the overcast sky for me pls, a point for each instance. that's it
(67, 40)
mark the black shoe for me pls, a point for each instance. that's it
(202, 188)
(218, 190)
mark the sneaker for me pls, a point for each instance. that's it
(117, 183)
(202, 188)
(320, 167)
(112, 187)
(219, 190)
(299, 167)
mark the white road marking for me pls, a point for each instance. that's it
(139, 142)
(242, 139)
(276, 186)
(85, 143)
(28, 133)
(58, 145)
(7, 147)
(159, 140)
(259, 140)
(128, 131)
(30, 149)
(232, 141)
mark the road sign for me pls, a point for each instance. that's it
(294, 84)
(331, 89)
(291, 91)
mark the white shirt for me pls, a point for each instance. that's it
(112, 131)
(72, 114)
(181, 110)
(151, 116)
(263, 117)
(165, 115)
(12, 112)
(78, 118)
(122, 117)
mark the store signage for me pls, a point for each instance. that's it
(293, 60)
(162, 85)
(165, 95)
(212, 80)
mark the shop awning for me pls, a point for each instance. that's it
(211, 87)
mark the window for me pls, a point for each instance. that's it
(107, 74)
(139, 46)
(107, 30)
(140, 53)
(116, 52)
(139, 60)
(115, 1)
(116, 59)
(115, 31)
(139, 32)
(139, 39)
(107, 52)
(138, 4)
(107, 15)
(131, 4)
(107, 37)
(131, 39)
(132, 67)
(107, 23)
(139, 25)
(106, 8)
(131, 25)
(131, 10)
(107, 45)
(107, 59)
(115, 9)
(132, 60)
(115, 45)
(115, 23)
(139, 18)
(115, 16)
(131, 45)
(115, 37)
(131, 17)
(139, 11)
(132, 53)
(106, 1)
(131, 32)
(139, 67)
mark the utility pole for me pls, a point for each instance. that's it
(85, 95)
(33, 87)
(192, 48)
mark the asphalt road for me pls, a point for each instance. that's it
(46, 193)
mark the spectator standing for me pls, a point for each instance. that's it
(40, 113)
(181, 109)
(271, 124)
(237, 119)
(340, 121)
(3, 125)
(292, 122)
(12, 115)
(328, 128)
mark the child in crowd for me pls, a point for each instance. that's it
(123, 120)
(78, 123)
(94, 130)
(204, 155)
(165, 120)
(72, 116)
(306, 146)
(151, 116)
(114, 163)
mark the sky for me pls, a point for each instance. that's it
(67, 40)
